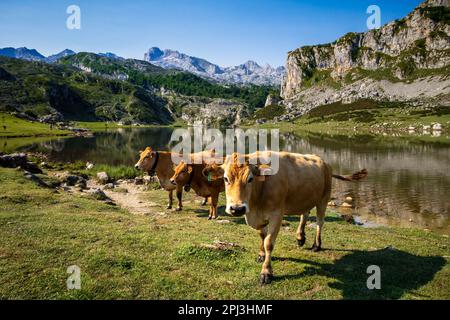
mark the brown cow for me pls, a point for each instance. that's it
(161, 164)
(191, 176)
(301, 183)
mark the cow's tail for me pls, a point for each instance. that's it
(354, 177)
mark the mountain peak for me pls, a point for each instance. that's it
(249, 72)
(110, 55)
(154, 53)
(55, 57)
(22, 53)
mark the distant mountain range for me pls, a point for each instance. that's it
(247, 73)
(33, 55)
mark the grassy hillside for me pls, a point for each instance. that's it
(171, 255)
(368, 116)
(149, 76)
(10, 126)
(38, 89)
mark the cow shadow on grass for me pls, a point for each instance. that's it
(401, 272)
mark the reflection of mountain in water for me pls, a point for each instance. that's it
(117, 147)
(406, 180)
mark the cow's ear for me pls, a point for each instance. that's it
(213, 172)
(261, 170)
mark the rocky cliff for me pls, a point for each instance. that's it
(364, 65)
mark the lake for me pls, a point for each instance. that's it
(408, 183)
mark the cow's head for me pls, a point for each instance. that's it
(147, 160)
(239, 176)
(182, 174)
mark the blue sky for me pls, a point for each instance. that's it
(225, 32)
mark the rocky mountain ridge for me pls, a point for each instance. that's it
(407, 54)
(246, 73)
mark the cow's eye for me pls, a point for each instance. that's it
(226, 180)
(250, 179)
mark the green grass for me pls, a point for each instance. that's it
(114, 172)
(368, 117)
(126, 256)
(16, 127)
(269, 112)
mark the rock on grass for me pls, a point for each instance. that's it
(102, 177)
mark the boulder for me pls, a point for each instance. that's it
(272, 100)
(98, 194)
(31, 167)
(70, 179)
(52, 118)
(15, 160)
(89, 165)
(108, 186)
(102, 177)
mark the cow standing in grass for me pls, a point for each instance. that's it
(161, 164)
(191, 176)
(301, 183)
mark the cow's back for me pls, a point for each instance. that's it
(299, 185)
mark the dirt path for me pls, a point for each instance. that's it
(130, 197)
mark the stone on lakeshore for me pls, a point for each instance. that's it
(102, 177)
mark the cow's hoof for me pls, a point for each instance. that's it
(301, 242)
(179, 209)
(315, 248)
(260, 259)
(265, 278)
(209, 218)
(169, 207)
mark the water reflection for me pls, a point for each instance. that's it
(408, 182)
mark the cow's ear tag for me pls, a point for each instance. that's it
(261, 178)
(209, 176)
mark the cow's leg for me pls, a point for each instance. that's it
(317, 246)
(205, 201)
(301, 236)
(169, 206)
(180, 197)
(262, 252)
(213, 207)
(266, 275)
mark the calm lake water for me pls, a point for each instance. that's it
(408, 183)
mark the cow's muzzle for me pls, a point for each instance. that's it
(172, 181)
(238, 211)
